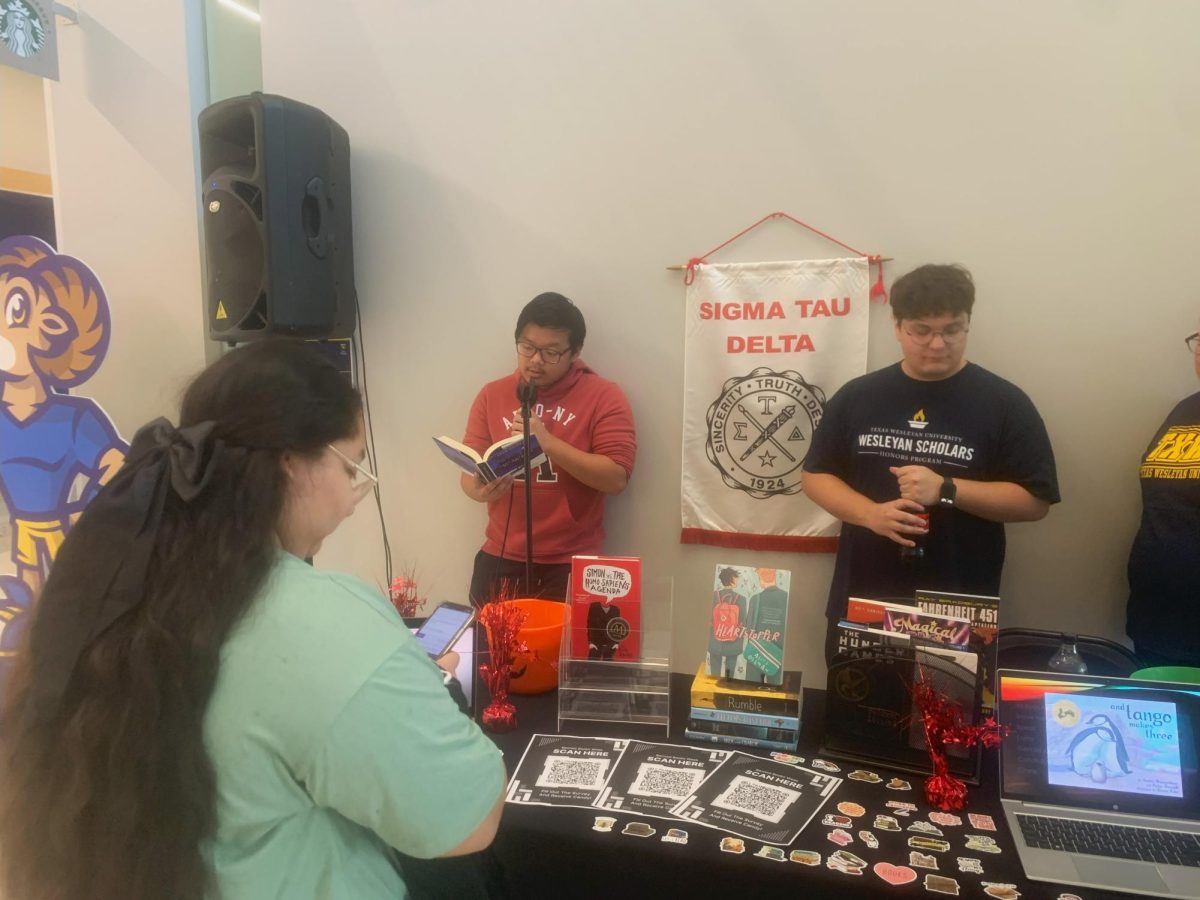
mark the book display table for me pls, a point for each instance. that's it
(553, 851)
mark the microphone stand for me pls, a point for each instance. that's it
(528, 395)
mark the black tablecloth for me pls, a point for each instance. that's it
(553, 851)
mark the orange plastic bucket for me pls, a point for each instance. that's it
(536, 671)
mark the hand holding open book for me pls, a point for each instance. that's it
(506, 457)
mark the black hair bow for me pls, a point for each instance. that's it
(100, 572)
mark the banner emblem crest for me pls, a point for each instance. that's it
(759, 429)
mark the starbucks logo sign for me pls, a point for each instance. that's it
(22, 27)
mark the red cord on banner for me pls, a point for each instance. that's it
(877, 289)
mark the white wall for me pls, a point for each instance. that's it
(234, 45)
(505, 149)
(23, 144)
(122, 121)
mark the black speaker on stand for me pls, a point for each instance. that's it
(278, 241)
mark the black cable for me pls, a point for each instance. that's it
(360, 353)
(503, 543)
(526, 412)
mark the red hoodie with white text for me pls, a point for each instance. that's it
(588, 412)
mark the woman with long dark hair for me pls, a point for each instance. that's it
(199, 712)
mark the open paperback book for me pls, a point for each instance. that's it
(506, 457)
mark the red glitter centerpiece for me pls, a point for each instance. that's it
(502, 621)
(943, 722)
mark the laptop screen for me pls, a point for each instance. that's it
(1101, 743)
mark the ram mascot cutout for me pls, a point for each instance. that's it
(56, 449)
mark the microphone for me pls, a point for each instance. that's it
(527, 394)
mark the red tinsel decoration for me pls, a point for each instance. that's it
(503, 621)
(944, 725)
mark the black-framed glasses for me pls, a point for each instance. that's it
(1193, 342)
(549, 357)
(951, 334)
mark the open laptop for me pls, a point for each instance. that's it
(1100, 780)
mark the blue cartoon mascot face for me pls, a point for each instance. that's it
(56, 449)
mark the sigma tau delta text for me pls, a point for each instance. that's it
(772, 309)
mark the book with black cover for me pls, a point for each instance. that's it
(870, 713)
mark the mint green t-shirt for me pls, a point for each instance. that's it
(333, 739)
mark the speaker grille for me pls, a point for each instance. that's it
(233, 227)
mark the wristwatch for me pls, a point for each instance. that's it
(948, 493)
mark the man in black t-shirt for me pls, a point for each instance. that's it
(1163, 611)
(932, 434)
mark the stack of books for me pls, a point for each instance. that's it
(745, 714)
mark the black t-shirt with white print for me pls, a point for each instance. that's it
(972, 425)
(1164, 603)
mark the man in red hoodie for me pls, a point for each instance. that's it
(585, 426)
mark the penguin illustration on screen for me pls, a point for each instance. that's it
(1098, 752)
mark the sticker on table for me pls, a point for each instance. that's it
(826, 766)
(982, 822)
(1001, 891)
(982, 843)
(766, 851)
(929, 843)
(901, 805)
(675, 836)
(790, 758)
(922, 860)
(940, 884)
(898, 784)
(886, 823)
(639, 829)
(847, 808)
(869, 839)
(1069, 897)
(846, 862)
(945, 818)
(970, 866)
(864, 775)
(835, 821)
(840, 837)
(805, 857)
(925, 828)
(732, 845)
(604, 823)
(894, 875)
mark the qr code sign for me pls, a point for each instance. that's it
(665, 781)
(768, 802)
(569, 771)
